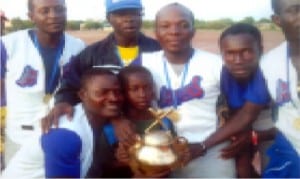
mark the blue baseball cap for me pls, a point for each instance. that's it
(114, 5)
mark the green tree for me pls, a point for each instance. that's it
(18, 24)
(74, 25)
(248, 20)
(90, 24)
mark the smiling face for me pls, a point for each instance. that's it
(241, 54)
(288, 18)
(174, 28)
(102, 96)
(48, 16)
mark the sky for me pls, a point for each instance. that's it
(202, 9)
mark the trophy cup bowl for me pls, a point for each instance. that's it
(156, 152)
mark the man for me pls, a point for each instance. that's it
(123, 45)
(2, 100)
(78, 148)
(283, 85)
(188, 80)
(31, 63)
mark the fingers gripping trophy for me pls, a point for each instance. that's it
(158, 150)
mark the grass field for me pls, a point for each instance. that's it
(204, 39)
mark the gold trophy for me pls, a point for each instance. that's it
(158, 150)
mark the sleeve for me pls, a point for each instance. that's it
(62, 149)
(70, 81)
(3, 59)
(257, 91)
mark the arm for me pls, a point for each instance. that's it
(240, 121)
(62, 149)
(3, 59)
(66, 95)
(70, 82)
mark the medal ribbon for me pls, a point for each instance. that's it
(185, 72)
(50, 86)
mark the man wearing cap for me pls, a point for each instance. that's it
(118, 49)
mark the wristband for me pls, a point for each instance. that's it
(254, 138)
(203, 147)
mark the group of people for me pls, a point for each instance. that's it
(93, 101)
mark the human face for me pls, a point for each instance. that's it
(126, 22)
(102, 97)
(288, 19)
(241, 54)
(139, 90)
(174, 29)
(49, 16)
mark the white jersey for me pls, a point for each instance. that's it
(25, 82)
(29, 161)
(282, 85)
(197, 90)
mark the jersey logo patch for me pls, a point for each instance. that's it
(28, 77)
(191, 91)
(282, 92)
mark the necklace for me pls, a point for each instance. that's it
(168, 79)
(50, 85)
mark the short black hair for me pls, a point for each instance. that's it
(132, 69)
(89, 74)
(242, 28)
(275, 6)
(30, 5)
(192, 17)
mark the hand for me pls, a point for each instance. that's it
(122, 154)
(238, 144)
(196, 150)
(125, 131)
(157, 174)
(53, 116)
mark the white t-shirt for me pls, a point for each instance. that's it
(25, 81)
(282, 84)
(196, 95)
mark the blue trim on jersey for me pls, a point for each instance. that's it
(255, 90)
(62, 149)
(3, 60)
(110, 134)
(284, 160)
(136, 62)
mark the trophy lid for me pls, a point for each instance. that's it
(157, 138)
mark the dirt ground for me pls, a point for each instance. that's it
(204, 39)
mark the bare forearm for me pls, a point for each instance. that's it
(238, 122)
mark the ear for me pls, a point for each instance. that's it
(30, 16)
(81, 93)
(276, 19)
(108, 17)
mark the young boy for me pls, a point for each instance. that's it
(138, 86)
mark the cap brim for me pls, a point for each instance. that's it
(124, 7)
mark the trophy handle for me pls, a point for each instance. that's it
(179, 145)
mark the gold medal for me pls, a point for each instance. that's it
(47, 98)
(296, 124)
